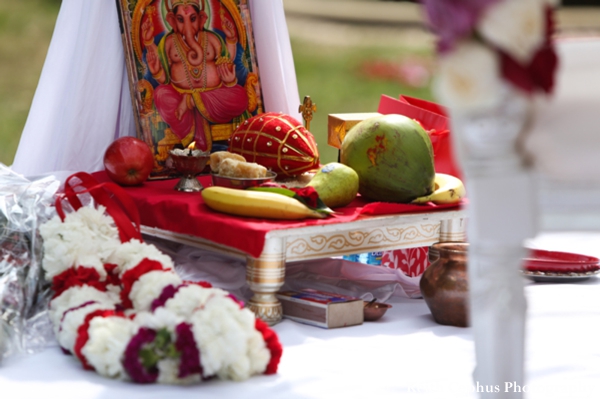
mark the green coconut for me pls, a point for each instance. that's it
(393, 157)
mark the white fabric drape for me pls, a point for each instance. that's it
(75, 112)
(82, 102)
(274, 54)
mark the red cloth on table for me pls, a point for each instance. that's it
(161, 206)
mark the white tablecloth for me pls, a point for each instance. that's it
(405, 354)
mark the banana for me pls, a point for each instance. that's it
(258, 204)
(448, 190)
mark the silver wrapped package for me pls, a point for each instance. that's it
(24, 295)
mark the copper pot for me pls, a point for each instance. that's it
(444, 284)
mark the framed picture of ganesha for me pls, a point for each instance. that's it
(192, 72)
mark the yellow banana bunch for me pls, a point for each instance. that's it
(448, 190)
(259, 204)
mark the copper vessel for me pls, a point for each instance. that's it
(375, 310)
(444, 284)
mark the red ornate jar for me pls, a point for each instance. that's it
(276, 141)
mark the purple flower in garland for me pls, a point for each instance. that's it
(167, 293)
(453, 20)
(186, 346)
(133, 363)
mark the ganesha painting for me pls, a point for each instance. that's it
(193, 72)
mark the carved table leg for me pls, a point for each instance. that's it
(453, 230)
(265, 276)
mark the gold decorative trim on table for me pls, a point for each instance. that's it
(375, 239)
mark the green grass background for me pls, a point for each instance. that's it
(329, 74)
(332, 77)
(26, 28)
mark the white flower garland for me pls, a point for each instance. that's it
(130, 254)
(87, 237)
(74, 297)
(124, 312)
(188, 299)
(109, 337)
(149, 287)
(71, 320)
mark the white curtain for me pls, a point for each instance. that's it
(82, 101)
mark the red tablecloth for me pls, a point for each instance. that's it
(163, 207)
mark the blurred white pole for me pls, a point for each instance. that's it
(502, 214)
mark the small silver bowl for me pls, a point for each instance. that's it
(242, 182)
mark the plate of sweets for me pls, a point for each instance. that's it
(555, 266)
(232, 171)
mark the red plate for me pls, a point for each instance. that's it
(560, 262)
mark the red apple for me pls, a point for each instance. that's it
(128, 161)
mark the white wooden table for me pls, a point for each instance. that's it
(266, 273)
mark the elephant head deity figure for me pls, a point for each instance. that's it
(195, 70)
(187, 18)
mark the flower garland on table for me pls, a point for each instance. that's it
(121, 309)
(484, 44)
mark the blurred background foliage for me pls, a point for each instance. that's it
(26, 28)
(339, 77)
(352, 79)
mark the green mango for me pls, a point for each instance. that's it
(336, 184)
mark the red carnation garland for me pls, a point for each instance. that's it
(203, 284)
(112, 274)
(74, 308)
(77, 277)
(83, 334)
(273, 344)
(131, 276)
(147, 346)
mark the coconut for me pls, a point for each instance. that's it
(393, 157)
